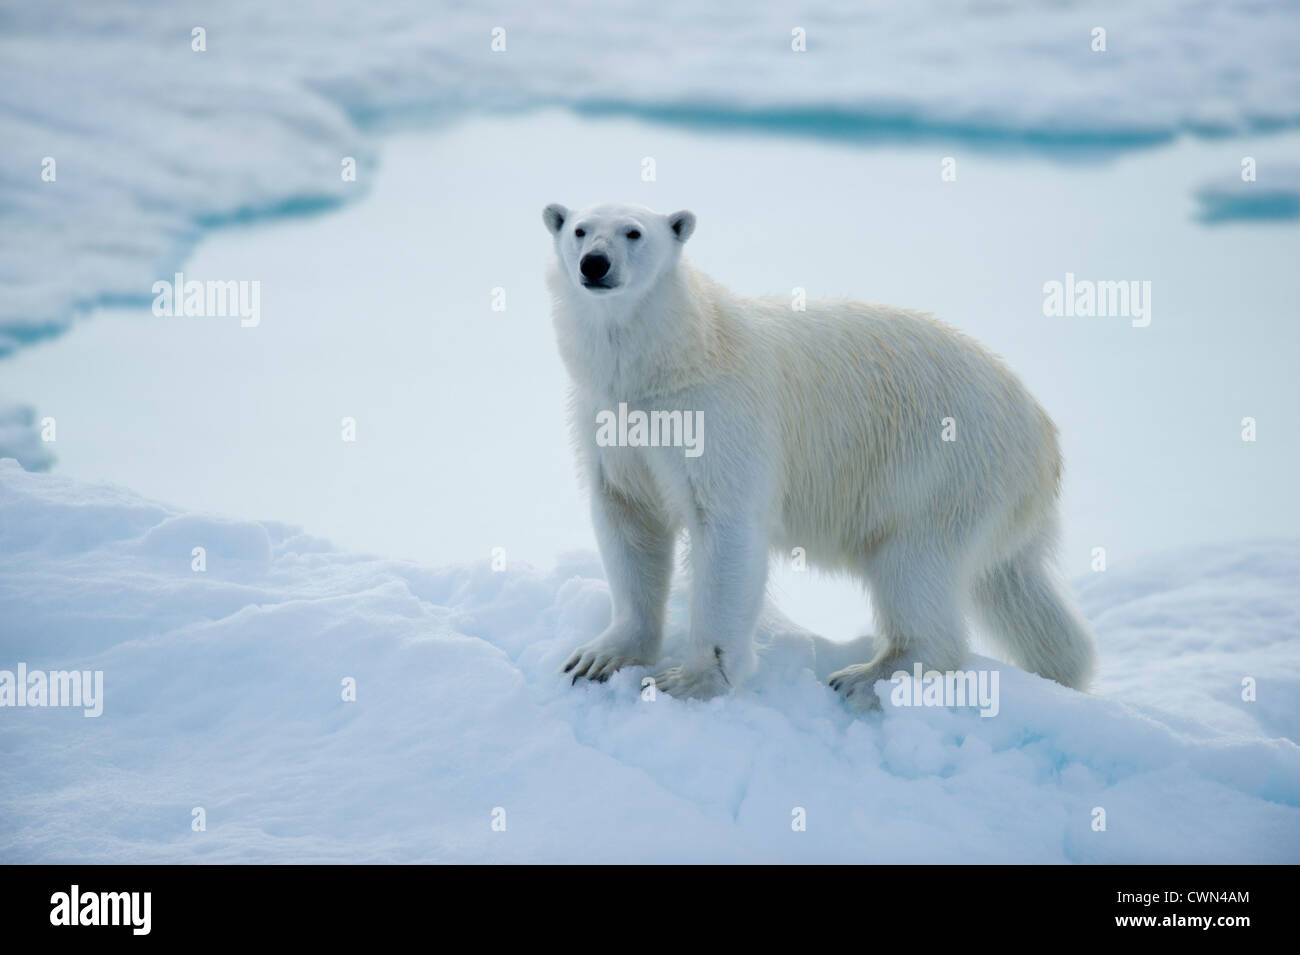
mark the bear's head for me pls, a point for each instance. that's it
(615, 250)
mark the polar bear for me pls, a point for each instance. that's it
(883, 442)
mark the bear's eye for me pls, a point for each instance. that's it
(579, 232)
(633, 234)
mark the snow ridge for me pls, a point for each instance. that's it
(223, 691)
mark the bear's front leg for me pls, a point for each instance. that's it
(729, 574)
(636, 547)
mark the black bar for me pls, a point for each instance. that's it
(955, 904)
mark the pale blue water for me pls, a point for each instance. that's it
(381, 310)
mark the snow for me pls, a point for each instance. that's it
(223, 691)
(155, 142)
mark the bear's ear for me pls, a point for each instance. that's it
(683, 224)
(554, 216)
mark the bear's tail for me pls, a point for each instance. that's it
(1027, 613)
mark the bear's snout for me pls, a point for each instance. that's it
(594, 266)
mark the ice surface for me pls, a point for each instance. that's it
(223, 691)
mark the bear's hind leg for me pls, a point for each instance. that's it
(918, 620)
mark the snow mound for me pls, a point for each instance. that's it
(223, 689)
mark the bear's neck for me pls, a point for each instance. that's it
(661, 344)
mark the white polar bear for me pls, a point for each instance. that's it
(882, 441)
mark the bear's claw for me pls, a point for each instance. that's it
(692, 684)
(598, 661)
(857, 684)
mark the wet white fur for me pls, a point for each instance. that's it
(822, 429)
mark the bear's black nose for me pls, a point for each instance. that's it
(594, 265)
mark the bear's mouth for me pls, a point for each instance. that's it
(599, 285)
